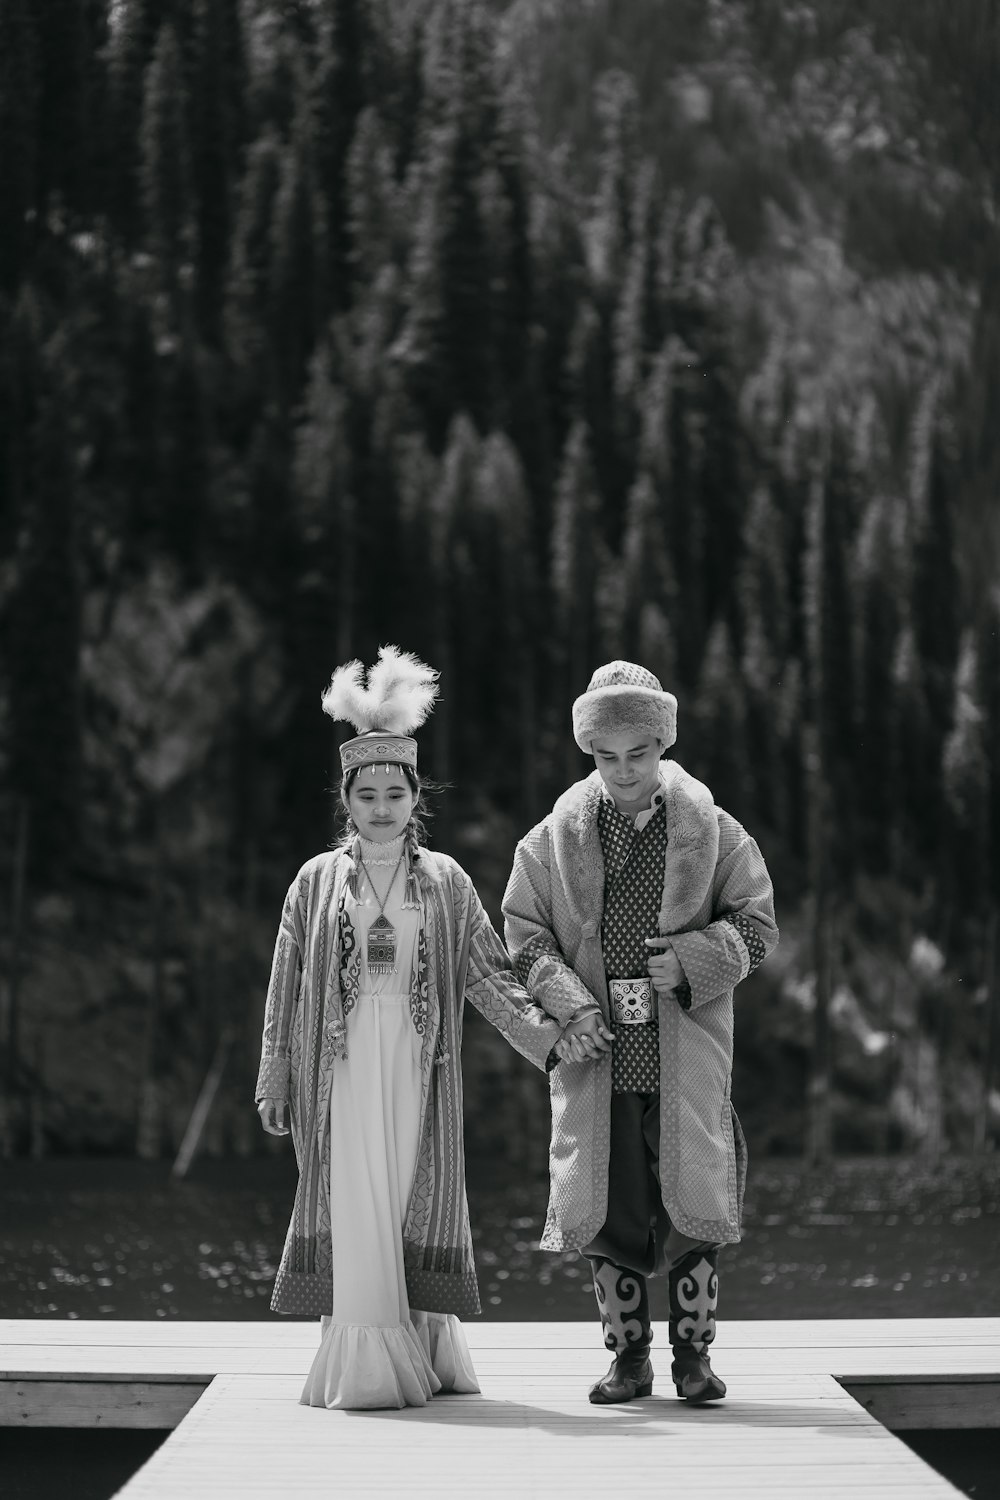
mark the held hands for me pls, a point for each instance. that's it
(584, 1039)
(272, 1116)
(664, 968)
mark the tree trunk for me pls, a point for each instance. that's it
(150, 1121)
(981, 1128)
(12, 1071)
(820, 1128)
(203, 1106)
(36, 1102)
(243, 1020)
(528, 730)
(929, 1093)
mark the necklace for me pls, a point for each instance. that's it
(381, 958)
(387, 853)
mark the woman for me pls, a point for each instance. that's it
(380, 943)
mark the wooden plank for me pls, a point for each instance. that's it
(930, 1405)
(98, 1376)
(469, 1445)
(788, 1428)
(165, 1333)
(538, 1365)
(831, 1334)
(96, 1403)
(761, 1386)
(529, 1367)
(492, 1448)
(301, 1333)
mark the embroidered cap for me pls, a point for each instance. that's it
(623, 697)
(376, 749)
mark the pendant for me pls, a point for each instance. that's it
(382, 946)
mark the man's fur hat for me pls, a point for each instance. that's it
(623, 698)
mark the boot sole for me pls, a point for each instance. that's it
(597, 1398)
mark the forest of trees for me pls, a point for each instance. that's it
(525, 336)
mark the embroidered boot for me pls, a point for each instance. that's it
(694, 1292)
(624, 1308)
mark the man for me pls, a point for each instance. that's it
(632, 911)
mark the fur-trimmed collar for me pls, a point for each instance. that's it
(692, 849)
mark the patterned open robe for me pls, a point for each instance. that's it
(718, 909)
(312, 987)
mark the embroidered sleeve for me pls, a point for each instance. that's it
(540, 945)
(756, 952)
(742, 931)
(537, 958)
(282, 993)
(493, 989)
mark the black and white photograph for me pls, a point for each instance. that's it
(499, 749)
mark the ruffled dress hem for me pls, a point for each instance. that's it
(362, 1366)
(443, 1340)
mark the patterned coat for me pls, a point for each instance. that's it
(718, 909)
(312, 989)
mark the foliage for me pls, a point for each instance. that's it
(524, 335)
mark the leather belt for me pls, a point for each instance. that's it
(633, 1001)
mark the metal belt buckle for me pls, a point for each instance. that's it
(632, 1001)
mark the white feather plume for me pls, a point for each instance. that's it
(400, 693)
(346, 698)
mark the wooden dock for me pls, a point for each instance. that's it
(801, 1419)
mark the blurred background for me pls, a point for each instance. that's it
(523, 335)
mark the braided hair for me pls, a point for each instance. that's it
(415, 832)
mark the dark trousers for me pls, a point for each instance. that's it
(637, 1233)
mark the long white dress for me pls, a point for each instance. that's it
(375, 1351)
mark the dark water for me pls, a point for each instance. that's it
(102, 1238)
(970, 1459)
(67, 1463)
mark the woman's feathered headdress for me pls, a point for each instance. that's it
(401, 690)
(399, 695)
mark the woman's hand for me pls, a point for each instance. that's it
(664, 968)
(272, 1116)
(583, 1039)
